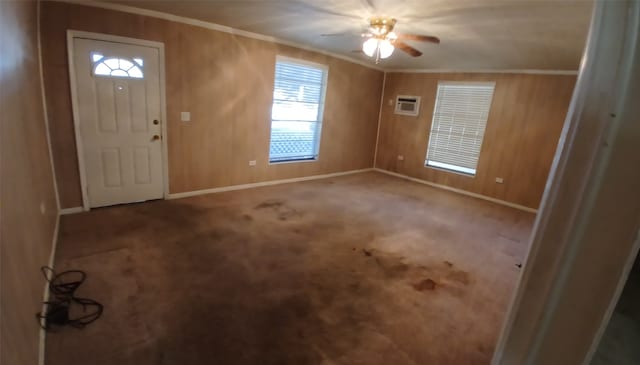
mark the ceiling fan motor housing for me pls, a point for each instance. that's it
(381, 26)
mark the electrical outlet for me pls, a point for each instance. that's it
(390, 102)
(400, 158)
(185, 116)
(252, 162)
(499, 180)
(43, 208)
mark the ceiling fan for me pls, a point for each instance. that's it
(381, 40)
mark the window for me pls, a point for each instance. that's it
(296, 114)
(118, 67)
(459, 120)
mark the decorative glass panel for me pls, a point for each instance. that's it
(102, 69)
(125, 65)
(135, 72)
(96, 57)
(118, 67)
(112, 63)
(118, 72)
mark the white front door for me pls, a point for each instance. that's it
(118, 104)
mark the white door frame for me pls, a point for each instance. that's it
(71, 35)
(568, 259)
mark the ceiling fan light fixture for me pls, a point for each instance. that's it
(380, 40)
(386, 48)
(370, 46)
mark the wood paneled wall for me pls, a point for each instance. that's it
(28, 208)
(523, 129)
(226, 82)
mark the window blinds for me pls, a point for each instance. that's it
(296, 114)
(459, 120)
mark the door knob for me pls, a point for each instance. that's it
(155, 137)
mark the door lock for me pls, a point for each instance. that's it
(156, 122)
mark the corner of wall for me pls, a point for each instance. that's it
(44, 104)
(45, 295)
(54, 242)
(375, 153)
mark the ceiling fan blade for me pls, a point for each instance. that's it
(357, 51)
(418, 37)
(369, 5)
(345, 34)
(407, 48)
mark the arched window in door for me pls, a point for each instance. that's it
(118, 67)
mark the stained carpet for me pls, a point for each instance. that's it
(358, 269)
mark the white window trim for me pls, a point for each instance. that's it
(452, 168)
(323, 94)
(281, 58)
(448, 167)
(468, 83)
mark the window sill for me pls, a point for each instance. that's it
(302, 160)
(450, 171)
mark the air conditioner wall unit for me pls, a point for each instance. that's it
(407, 105)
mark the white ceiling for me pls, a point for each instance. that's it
(475, 34)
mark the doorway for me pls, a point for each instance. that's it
(619, 343)
(118, 103)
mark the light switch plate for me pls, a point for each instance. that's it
(185, 116)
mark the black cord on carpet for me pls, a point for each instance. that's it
(62, 288)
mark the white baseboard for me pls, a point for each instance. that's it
(459, 191)
(222, 189)
(45, 295)
(73, 210)
(187, 194)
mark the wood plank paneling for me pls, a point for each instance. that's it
(28, 209)
(524, 125)
(226, 82)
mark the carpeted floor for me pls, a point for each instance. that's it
(360, 269)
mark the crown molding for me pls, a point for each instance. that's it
(492, 71)
(216, 27)
(262, 37)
